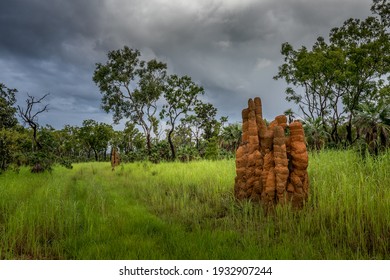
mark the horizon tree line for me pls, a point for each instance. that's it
(26, 142)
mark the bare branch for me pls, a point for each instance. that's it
(31, 118)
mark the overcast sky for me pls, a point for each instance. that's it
(231, 47)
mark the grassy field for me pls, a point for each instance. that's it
(187, 211)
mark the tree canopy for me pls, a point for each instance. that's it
(331, 80)
(7, 109)
(181, 95)
(131, 88)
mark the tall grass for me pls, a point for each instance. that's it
(187, 211)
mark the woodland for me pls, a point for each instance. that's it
(172, 196)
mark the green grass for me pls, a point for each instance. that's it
(187, 211)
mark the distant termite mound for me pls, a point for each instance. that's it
(272, 160)
(115, 159)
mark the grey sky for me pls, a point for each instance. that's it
(231, 47)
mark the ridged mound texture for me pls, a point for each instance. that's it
(271, 161)
(115, 159)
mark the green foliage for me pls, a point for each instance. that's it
(7, 109)
(160, 152)
(40, 161)
(187, 153)
(231, 137)
(15, 143)
(337, 77)
(131, 88)
(120, 70)
(373, 124)
(69, 146)
(181, 95)
(9, 137)
(95, 137)
(212, 149)
(205, 118)
(37, 147)
(382, 8)
(315, 134)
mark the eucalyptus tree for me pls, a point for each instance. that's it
(130, 141)
(203, 124)
(365, 45)
(7, 122)
(131, 88)
(181, 96)
(329, 81)
(41, 156)
(95, 137)
(69, 144)
(30, 116)
(382, 8)
(7, 108)
(314, 76)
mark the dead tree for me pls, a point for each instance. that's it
(30, 117)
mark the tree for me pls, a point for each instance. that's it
(69, 145)
(130, 141)
(382, 8)
(193, 124)
(181, 95)
(366, 48)
(39, 158)
(183, 140)
(131, 88)
(14, 145)
(95, 137)
(373, 123)
(289, 113)
(30, 117)
(231, 136)
(315, 134)
(316, 72)
(338, 76)
(7, 109)
(8, 121)
(48, 154)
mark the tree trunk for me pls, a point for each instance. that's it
(96, 155)
(35, 128)
(148, 144)
(173, 153)
(2, 167)
(335, 134)
(197, 144)
(349, 131)
(89, 154)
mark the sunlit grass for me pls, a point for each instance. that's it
(187, 211)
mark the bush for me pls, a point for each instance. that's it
(212, 149)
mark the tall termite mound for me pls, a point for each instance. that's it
(272, 160)
(115, 159)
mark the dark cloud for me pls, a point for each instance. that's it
(44, 29)
(231, 48)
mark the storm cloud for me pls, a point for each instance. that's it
(231, 48)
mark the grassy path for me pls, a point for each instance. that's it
(186, 211)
